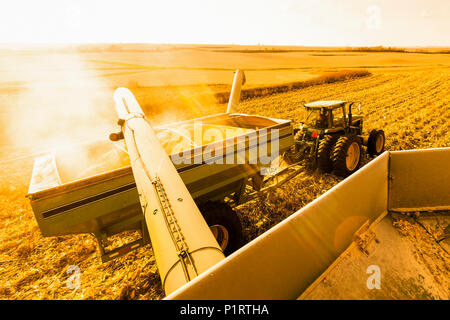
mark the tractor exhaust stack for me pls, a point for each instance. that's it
(235, 95)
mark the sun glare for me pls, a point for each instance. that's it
(287, 22)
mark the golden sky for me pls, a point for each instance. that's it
(270, 22)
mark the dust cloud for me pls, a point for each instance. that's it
(58, 105)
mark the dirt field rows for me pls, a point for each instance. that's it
(411, 106)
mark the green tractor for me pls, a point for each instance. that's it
(332, 139)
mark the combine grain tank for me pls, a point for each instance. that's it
(343, 245)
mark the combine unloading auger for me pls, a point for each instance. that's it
(182, 242)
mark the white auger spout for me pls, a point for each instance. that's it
(182, 242)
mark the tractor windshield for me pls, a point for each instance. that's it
(316, 118)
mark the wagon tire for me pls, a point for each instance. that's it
(224, 224)
(289, 157)
(376, 142)
(324, 163)
(346, 156)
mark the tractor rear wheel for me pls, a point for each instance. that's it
(375, 144)
(224, 224)
(346, 155)
(323, 154)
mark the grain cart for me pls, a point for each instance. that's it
(176, 173)
(331, 139)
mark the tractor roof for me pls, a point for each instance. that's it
(325, 104)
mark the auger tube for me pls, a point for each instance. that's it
(235, 95)
(182, 242)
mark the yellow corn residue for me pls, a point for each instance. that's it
(188, 136)
(85, 161)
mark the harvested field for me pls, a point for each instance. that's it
(412, 109)
(410, 102)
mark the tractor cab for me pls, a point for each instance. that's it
(332, 136)
(331, 117)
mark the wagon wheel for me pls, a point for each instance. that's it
(346, 155)
(224, 224)
(375, 144)
(323, 154)
(291, 157)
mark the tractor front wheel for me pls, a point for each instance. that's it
(324, 152)
(224, 224)
(346, 155)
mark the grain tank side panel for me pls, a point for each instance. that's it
(284, 261)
